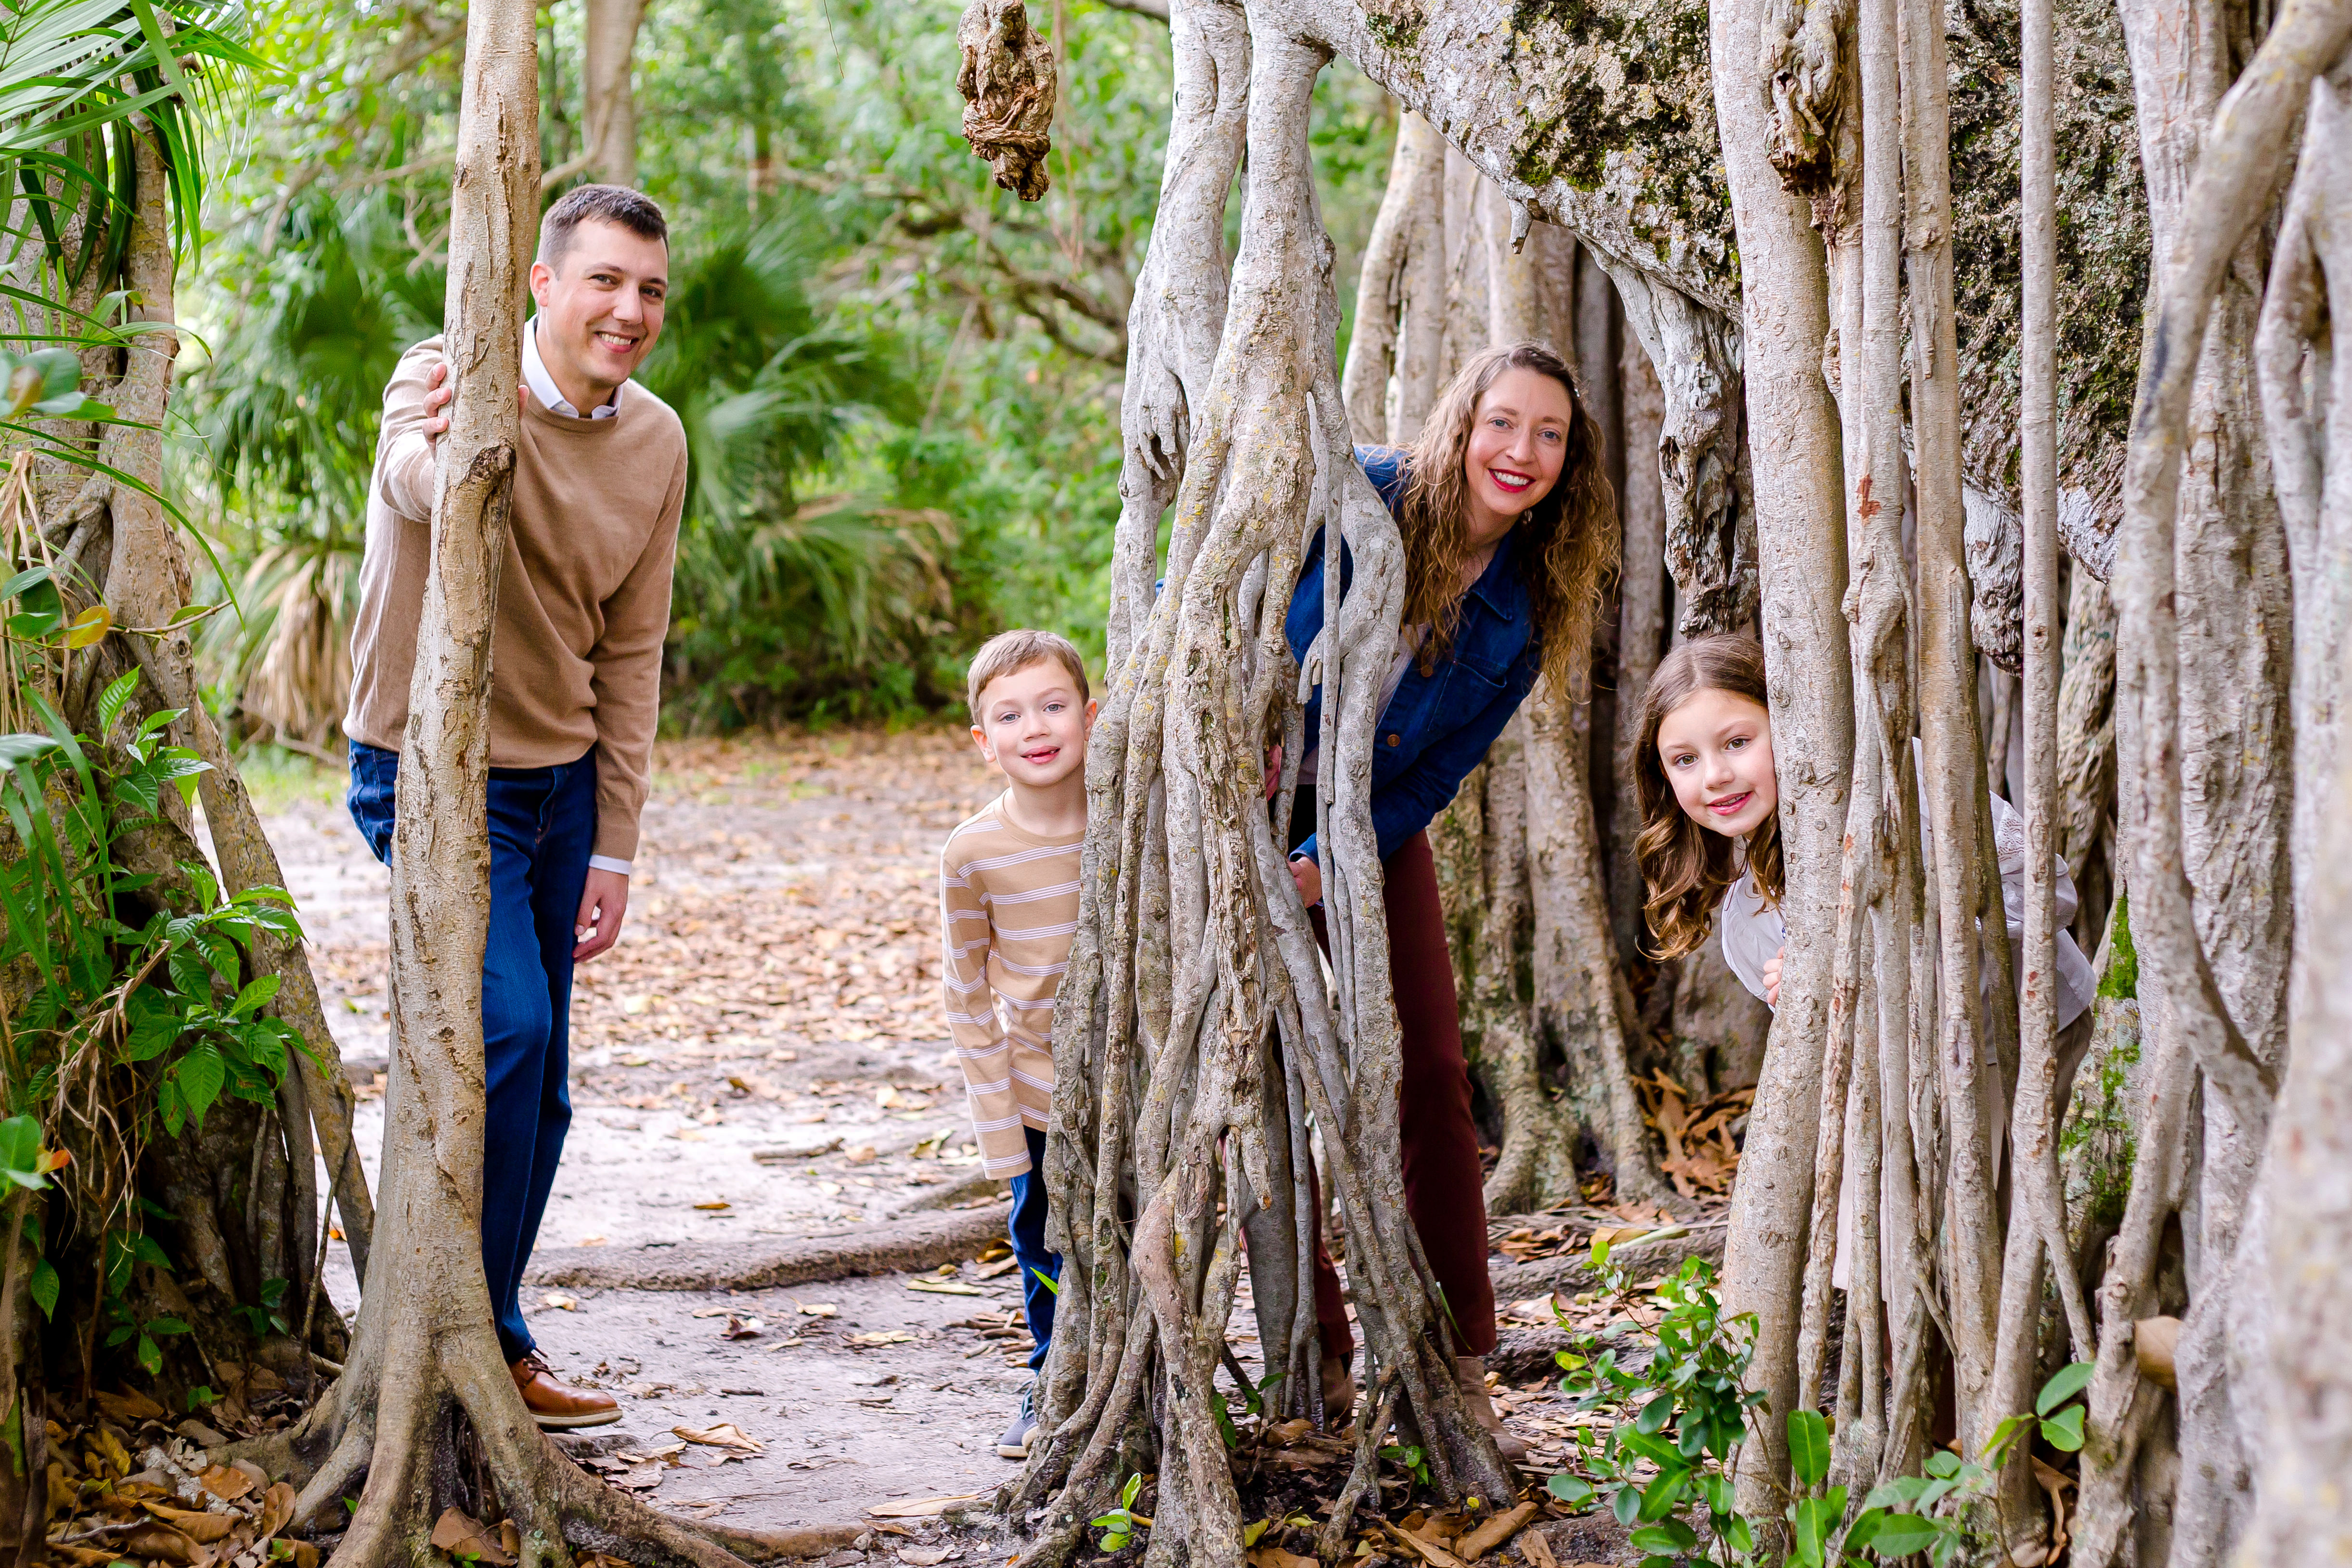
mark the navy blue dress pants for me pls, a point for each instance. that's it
(543, 828)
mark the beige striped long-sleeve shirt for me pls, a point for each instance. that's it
(1008, 909)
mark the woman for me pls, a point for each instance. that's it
(1509, 525)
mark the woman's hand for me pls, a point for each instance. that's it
(1773, 977)
(1309, 878)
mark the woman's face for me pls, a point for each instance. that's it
(1518, 442)
(1717, 751)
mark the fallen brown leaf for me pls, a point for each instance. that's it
(742, 1327)
(462, 1536)
(924, 1556)
(1537, 1550)
(1436, 1556)
(726, 1435)
(198, 1526)
(157, 1541)
(922, 1507)
(1276, 1557)
(277, 1507)
(129, 1408)
(1493, 1532)
(882, 1337)
(224, 1482)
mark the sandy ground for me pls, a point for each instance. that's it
(774, 993)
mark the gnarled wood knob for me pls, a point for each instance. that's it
(1007, 82)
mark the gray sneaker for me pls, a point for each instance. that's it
(1015, 1444)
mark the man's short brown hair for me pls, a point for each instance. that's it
(632, 210)
(1008, 651)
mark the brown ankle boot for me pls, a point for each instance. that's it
(1470, 1372)
(554, 1407)
(1339, 1390)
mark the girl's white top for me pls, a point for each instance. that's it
(1753, 931)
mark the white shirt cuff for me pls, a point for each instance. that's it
(606, 863)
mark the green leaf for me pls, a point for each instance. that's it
(2070, 1380)
(149, 1356)
(1810, 1523)
(1655, 1414)
(45, 1286)
(166, 1326)
(22, 581)
(1809, 1446)
(1574, 1491)
(22, 1160)
(255, 996)
(1625, 1505)
(116, 698)
(1668, 1535)
(1903, 1534)
(2064, 1431)
(1740, 1534)
(1943, 1463)
(1659, 1499)
(200, 1074)
(147, 1249)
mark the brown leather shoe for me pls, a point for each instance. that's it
(554, 1407)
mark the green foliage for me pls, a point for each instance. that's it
(135, 985)
(1680, 1417)
(1665, 1465)
(1119, 1524)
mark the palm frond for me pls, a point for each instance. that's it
(73, 73)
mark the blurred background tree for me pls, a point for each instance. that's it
(900, 385)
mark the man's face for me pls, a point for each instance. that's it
(600, 308)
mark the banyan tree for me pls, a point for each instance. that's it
(1980, 359)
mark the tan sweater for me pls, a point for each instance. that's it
(1008, 911)
(584, 597)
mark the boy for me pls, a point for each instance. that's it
(1008, 909)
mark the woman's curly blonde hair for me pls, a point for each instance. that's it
(1566, 542)
(1686, 868)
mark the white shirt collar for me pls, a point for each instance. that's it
(542, 385)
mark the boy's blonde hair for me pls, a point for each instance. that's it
(1018, 649)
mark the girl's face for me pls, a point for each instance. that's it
(1518, 442)
(1716, 749)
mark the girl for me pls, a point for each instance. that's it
(1710, 841)
(1508, 524)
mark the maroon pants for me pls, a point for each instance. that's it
(1443, 1187)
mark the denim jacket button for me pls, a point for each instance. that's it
(1392, 740)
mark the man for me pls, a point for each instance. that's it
(575, 676)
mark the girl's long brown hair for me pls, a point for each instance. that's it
(1566, 542)
(1686, 868)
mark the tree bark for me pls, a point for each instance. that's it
(609, 39)
(1800, 520)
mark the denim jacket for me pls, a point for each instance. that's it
(1438, 726)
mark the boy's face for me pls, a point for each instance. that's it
(1033, 725)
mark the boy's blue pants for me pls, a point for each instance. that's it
(1028, 1236)
(542, 828)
